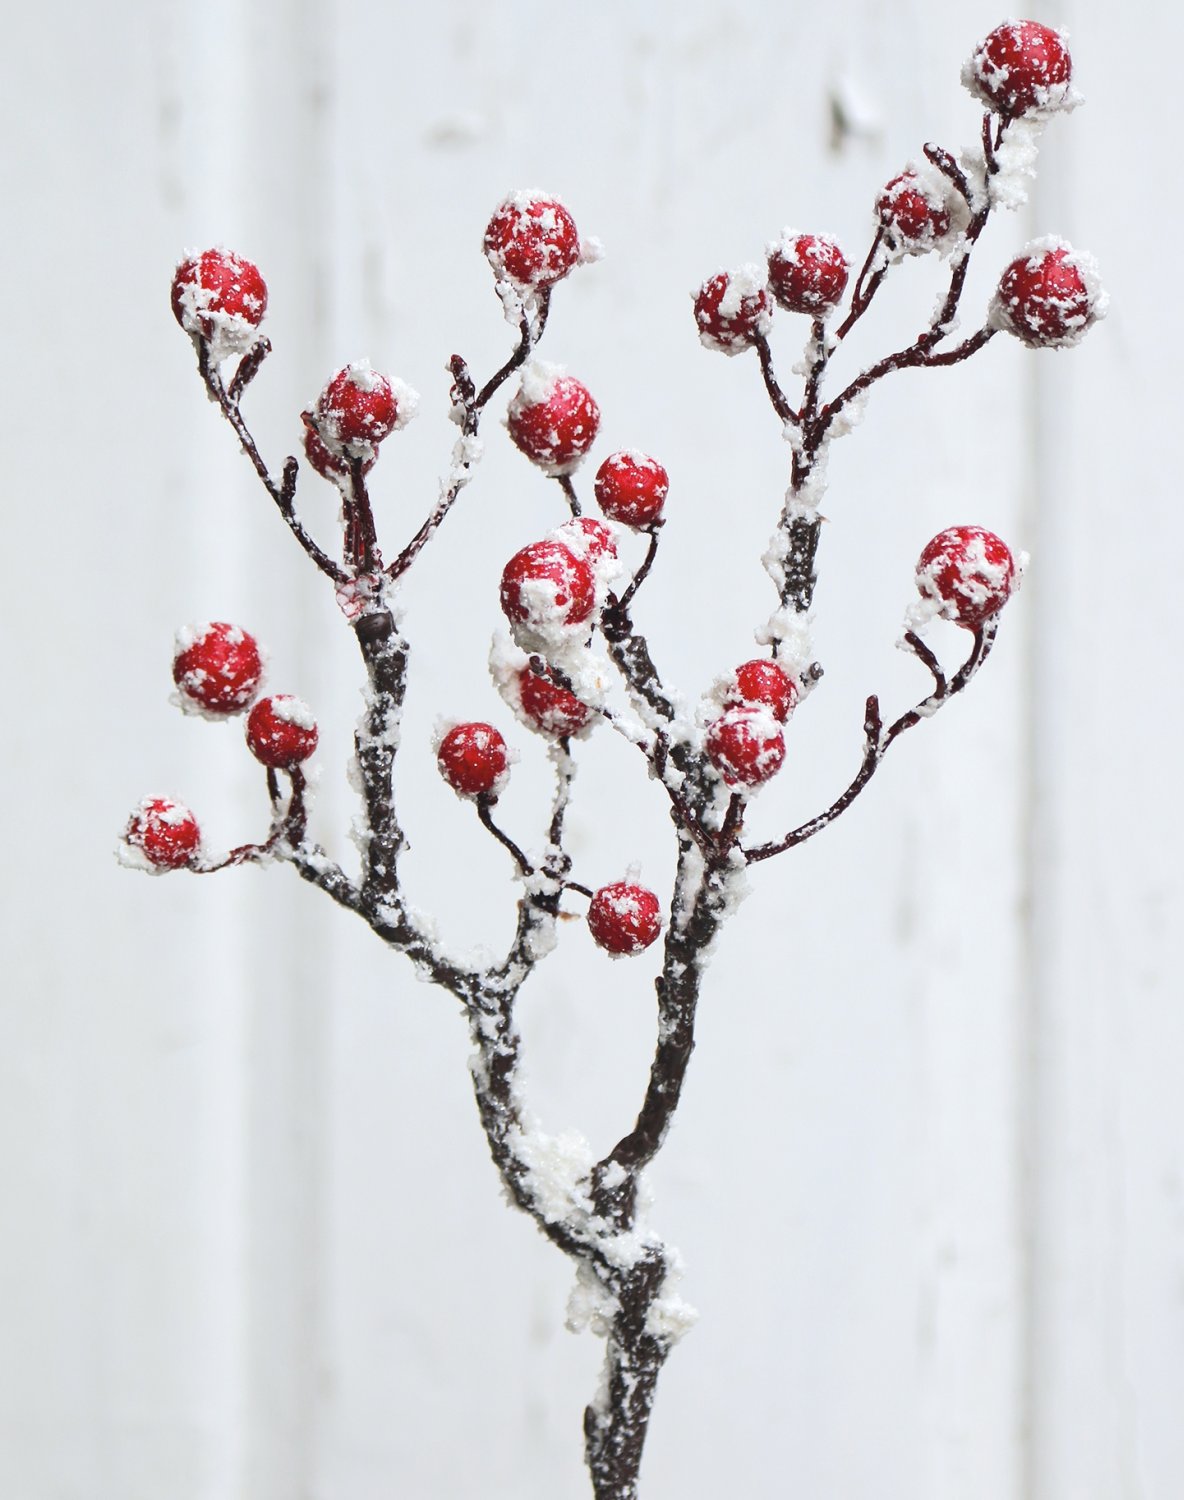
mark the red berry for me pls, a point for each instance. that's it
(217, 668)
(550, 709)
(359, 407)
(553, 419)
(532, 240)
(1021, 65)
(912, 213)
(164, 833)
(281, 731)
(588, 538)
(807, 273)
(746, 746)
(1050, 297)
(624, 918)
(473, 760)
(219, 297)
(631, 488)
(733, 309)
(547, 584)
(763, 684)
(969, 572)
(328, 465)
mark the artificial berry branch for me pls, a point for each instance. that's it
(574, 659)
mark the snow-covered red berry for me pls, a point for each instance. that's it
(217, 668)
(1050, 297)
(914, 216)
(359, 408)
(327, 464)
(631, 488)
(219, 297)
(762, 683)
(1020, 66)
(281, 731)
(588, 537)
(745, 745)
(532, 240)
(473, 760)
(549, 708)
(807, 273)
(624, 918)
(733, 309)
(969, 573)
(546, 584)
(553, 419)
(162, 832)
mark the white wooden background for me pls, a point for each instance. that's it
(929, 1174)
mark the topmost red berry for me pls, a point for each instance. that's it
(1021, 66)
(221, 298)
(532, 240)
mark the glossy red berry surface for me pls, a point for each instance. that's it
(746, 746)
(358, 408)
(631, 488)
(807, 273)
(217, 668)
(532, 240)
(624, 918)
(217, 294)
(164, 832)
(553, 419)
(549, 708)
(732, 309)
(547, 583)
(762, 683)
(473, 760)
(969, 572)
(1021, 65)
(1049, 298)
(281, 731)
(912, 215)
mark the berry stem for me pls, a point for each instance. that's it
(468, 406)
(569, 490)
(485, 816)
(620, 607)
(950, 169)
(385, 654)
(284, 493)
(529, 334)
(776, 395)
(867, 284)
(361, 540)
(248, 367)
(877, 740)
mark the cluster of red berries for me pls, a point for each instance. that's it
(220, 298)
(218, 670)
(624, 918)
(745, 743)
